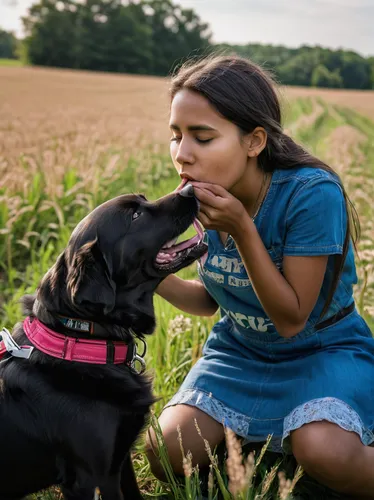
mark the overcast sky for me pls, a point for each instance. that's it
(345, 24)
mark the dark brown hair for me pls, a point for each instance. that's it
(245, 94)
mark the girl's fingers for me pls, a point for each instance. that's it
(206, 197)
(203, 218)
(213, 188)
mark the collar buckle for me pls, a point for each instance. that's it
(138, 359)
(13, 348)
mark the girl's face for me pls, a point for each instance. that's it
(205, 146)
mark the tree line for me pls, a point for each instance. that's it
(312, 66)
(153, 36)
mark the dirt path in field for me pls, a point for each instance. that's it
(344, 147)
(359, 100)
(305, 120)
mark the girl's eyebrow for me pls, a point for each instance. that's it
(193, 128)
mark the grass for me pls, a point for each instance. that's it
(75, 140)
(298, 108)
(10, 62)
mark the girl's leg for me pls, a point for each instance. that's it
(335, 457)
(184, 416)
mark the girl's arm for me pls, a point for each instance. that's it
(287, 299)
(189, 296)
(316, 222)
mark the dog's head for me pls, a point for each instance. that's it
(117, 256)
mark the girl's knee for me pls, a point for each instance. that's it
(151, 452)
(173, 450)
(324, 448)
(182, 416)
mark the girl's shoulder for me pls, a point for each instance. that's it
(308, 200)
(303, 175)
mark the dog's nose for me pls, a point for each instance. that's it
(187, 191)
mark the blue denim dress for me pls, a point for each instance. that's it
(249, 377)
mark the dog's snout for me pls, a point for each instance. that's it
(187, 191)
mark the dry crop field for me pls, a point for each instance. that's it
(70, 140)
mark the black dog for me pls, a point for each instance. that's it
(70, 422)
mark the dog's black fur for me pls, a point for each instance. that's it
(72, 423)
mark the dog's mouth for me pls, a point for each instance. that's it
(172, 255)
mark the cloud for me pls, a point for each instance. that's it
(330, 23)
(355, 4)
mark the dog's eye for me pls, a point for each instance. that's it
(136, 215)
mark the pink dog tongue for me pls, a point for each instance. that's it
(188, 243)
(199, 229)
(183, 183)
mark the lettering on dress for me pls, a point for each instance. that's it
(228, 264)
(238, 281)
(256, 323)
(219, 278)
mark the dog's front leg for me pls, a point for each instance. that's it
(129, 485)
(75, 483)
(111, 489)
(78, 494)
(11, 498)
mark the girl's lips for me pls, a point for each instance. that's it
(182, 184)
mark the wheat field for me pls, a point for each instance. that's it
(70, 140)
(54, 116)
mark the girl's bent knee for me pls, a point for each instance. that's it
(322, 446)
(151, 451)
(182, 417)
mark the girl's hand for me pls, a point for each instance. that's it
(219, 210)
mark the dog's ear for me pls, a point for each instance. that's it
(89, 278)
(50, 291)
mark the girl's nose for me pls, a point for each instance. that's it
(183, 154)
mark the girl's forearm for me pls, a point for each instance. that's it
(187, 295)
(276, 295)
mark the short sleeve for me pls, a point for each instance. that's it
(316, 220)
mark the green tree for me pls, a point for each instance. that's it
(109, 35)
(298, 70)
(322, 77)
(102, 35)
(176, 33)
(371, 63)
(154, 36)
(8, 45)
(127, 46)
(50, 30)
(297, 66)
(355, 71)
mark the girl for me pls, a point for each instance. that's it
(290, 356)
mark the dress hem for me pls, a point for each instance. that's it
(328, 409)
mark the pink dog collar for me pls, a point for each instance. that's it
(77, 349)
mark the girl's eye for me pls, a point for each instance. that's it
(136, 215)
(203, 141)
(200, 141)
